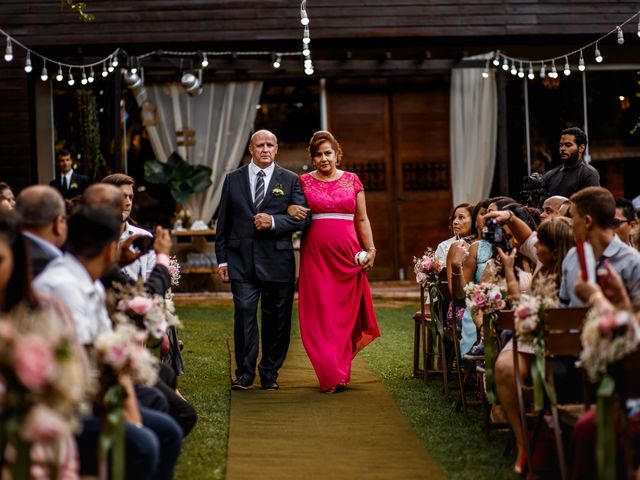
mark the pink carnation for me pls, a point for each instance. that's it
(140, 305)
(479, 299)
(522, 311)
(607, 323)
(34, 362)
(116, 356)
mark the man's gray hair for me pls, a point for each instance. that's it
(39, 205)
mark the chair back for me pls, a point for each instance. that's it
(562, 328)
(443, 286)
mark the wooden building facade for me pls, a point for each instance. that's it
(386, 65)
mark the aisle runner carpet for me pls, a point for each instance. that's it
(299, 433)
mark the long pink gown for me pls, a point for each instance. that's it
(336, 312)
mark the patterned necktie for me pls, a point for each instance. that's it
(259, 196)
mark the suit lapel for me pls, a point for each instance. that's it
(246, 186)
(275, 178)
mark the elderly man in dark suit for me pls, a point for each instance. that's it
(254, 251)
(44, 224)
(68, 182)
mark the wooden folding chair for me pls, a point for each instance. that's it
(562, 328)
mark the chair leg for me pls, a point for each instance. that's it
(559, 445)
(445, 367)
(416, 348)
(427, 348)
(462, 381)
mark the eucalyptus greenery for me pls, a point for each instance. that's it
(182, 178)
(90, 133)
(79, 7)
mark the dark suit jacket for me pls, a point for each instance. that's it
(39, 258)
(252, 254)
(78, 185)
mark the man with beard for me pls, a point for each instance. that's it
(573, 175)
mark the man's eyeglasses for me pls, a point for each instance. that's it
(617, 222)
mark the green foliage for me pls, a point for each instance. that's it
(90, 138)
(79, 7)
(182, 178)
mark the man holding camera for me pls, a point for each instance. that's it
(574, 174)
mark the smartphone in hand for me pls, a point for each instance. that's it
(142, 244)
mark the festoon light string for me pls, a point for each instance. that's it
(517, 66)
(86, 72)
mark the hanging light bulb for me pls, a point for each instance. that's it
(44, 75)
(305, 50)
(114, 61)
(105, 72)
(205, 61)
(639, 27)
(71, 81)
(308, 63)
(567, 67)
(598, 54)
(581, 65)
(530, 76)
(309, 71)
(134, 69)
(304, 18)
(543, 71)
(277, 61)
(496, 59)
(521, 71)
(111, 67)
(514, 70)
(8, 51)
(620, 36)
(554, 72)
(505, 65)
(27, 63)
(91, 75)
(485, 72)
(59, 75)
(83, 78)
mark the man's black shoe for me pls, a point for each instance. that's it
(241, 384)
(270, 386)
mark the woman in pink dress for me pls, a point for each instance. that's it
(336, 312)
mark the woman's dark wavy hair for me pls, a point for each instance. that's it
(19, 287)
(479, 206)
(522, 213)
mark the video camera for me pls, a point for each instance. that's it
(493, 233)
(533, 193)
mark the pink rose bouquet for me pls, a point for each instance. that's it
(485, 298)
(427, 268)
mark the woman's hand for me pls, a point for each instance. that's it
(508, 259)
(459, 251)
(298, 212)
(369, 261)
(613, 287)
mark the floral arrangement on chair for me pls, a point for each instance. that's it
(174, 270)
(427, 268)
(487, 299)
(607, 337)
(528, 321)
(41, 389)
(120, 353)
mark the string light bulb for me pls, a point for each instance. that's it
(567, 67)
(620, 36)
(105, 72)
(111, 66)
(114, 61)
(308, 63)
(134, 69)
(44, 75)
(598, 54)
(309, 71)
(91, 75)
(505, 65)
(205, 61)
(8, 51)
(305, 50)
(277, 62)
(638, 28)
(27, 63)
(530, 76)
(581, 65)
(59, 75)
(496, 58)
(306, 38)
(521, 71)
(71, 81)
(554, 72)
(83, 78)
(514, 70)
(485, 72)
(304, 18)
(543, 70)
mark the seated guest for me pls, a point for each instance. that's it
(592, 213)
(92, 247)
(554, 239)
(68, 182)
(7, 200)
(44, 224)
(460, 223)
(551, 206)
(143, 265)
(625, 220)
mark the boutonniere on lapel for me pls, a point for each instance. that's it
(73, 185)
(278, 190)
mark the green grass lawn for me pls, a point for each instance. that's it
(456, 443)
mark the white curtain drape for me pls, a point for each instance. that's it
(473, 132)
(221, 118)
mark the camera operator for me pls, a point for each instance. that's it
(573, 175)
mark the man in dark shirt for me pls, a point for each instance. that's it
(573, 175)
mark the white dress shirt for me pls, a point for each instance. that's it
(143, 264)
(67, 279)
(253, 174)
